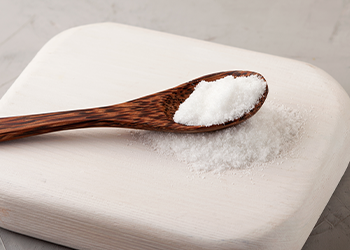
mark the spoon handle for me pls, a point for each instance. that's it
(28, 125)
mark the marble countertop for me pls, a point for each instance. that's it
(313, 31)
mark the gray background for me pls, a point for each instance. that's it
(314, 31)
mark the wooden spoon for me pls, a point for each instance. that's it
(152, 112)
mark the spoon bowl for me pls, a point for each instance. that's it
(152, 112)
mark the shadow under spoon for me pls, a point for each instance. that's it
(152, 112)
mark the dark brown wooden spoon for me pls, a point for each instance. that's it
(152, 112)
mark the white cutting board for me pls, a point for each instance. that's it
(96, 189)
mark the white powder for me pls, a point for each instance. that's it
(268, 135)
(220, 101)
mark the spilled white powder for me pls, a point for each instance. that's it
(268, 135)
(220, 101)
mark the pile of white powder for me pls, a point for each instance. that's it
(220, 101)
(268, 135)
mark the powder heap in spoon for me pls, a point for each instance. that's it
(220, 101)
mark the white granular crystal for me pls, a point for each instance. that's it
(220, 101)
(268, 135)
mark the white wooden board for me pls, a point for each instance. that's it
(93, 189)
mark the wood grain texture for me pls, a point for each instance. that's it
(152, 112)
(99, 189)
